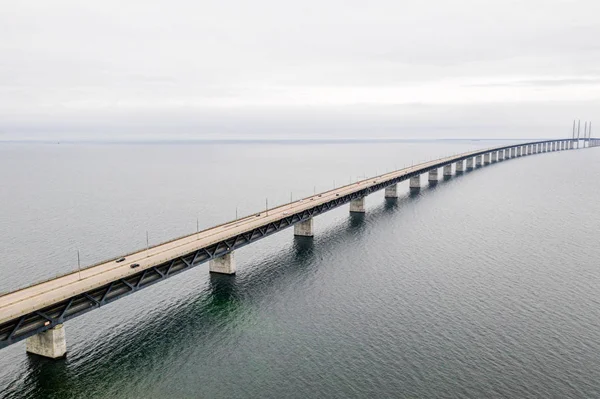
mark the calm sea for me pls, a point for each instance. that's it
(485, 285)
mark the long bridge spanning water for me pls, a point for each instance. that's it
(37, 312)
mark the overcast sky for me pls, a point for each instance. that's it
(230, 69)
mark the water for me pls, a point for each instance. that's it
(482, 286)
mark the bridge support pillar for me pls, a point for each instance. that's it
(460, 166)
(415, 183)
(553, 146)
(528, 150)
(500, 155)
(304, 229)
(478, 160)
(469, 163)
(357, 205)
(50, 343)
(495, 156)
(562, 145)
(487, 159)
(224, 264)
(571, 145)
(391, 191)
(448, 170)
(433, 176)
(520, 151)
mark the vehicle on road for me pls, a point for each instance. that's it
(134, 265)
(120, 260)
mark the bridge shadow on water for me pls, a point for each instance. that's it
(146, 342)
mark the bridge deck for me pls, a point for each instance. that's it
(22, 302)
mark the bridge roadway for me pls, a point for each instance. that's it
(32, 310)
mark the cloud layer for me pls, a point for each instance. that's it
(237, 68)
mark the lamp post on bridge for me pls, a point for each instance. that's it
(79, 264)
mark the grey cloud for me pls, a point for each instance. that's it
(541, 82)
(84, 64)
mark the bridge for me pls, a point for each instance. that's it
(37, 312)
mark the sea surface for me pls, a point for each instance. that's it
(485, 285)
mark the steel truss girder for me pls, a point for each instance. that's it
(41, 320)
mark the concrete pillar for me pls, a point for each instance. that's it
(391, 191)
(50, 343)
(224, 264)
(304, 229)
(513, 151)
(478, 160)
(495, 156)
(358, 205)
(415, 182)
(571, 145)
(536, 149)
(487, 159)
(554, 146)
(500, 155)
(520, 151)
(528, 148)
(469, 163)
(433, 176)
(448, 170)
(460, 166)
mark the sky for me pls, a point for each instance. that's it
(233, 69)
